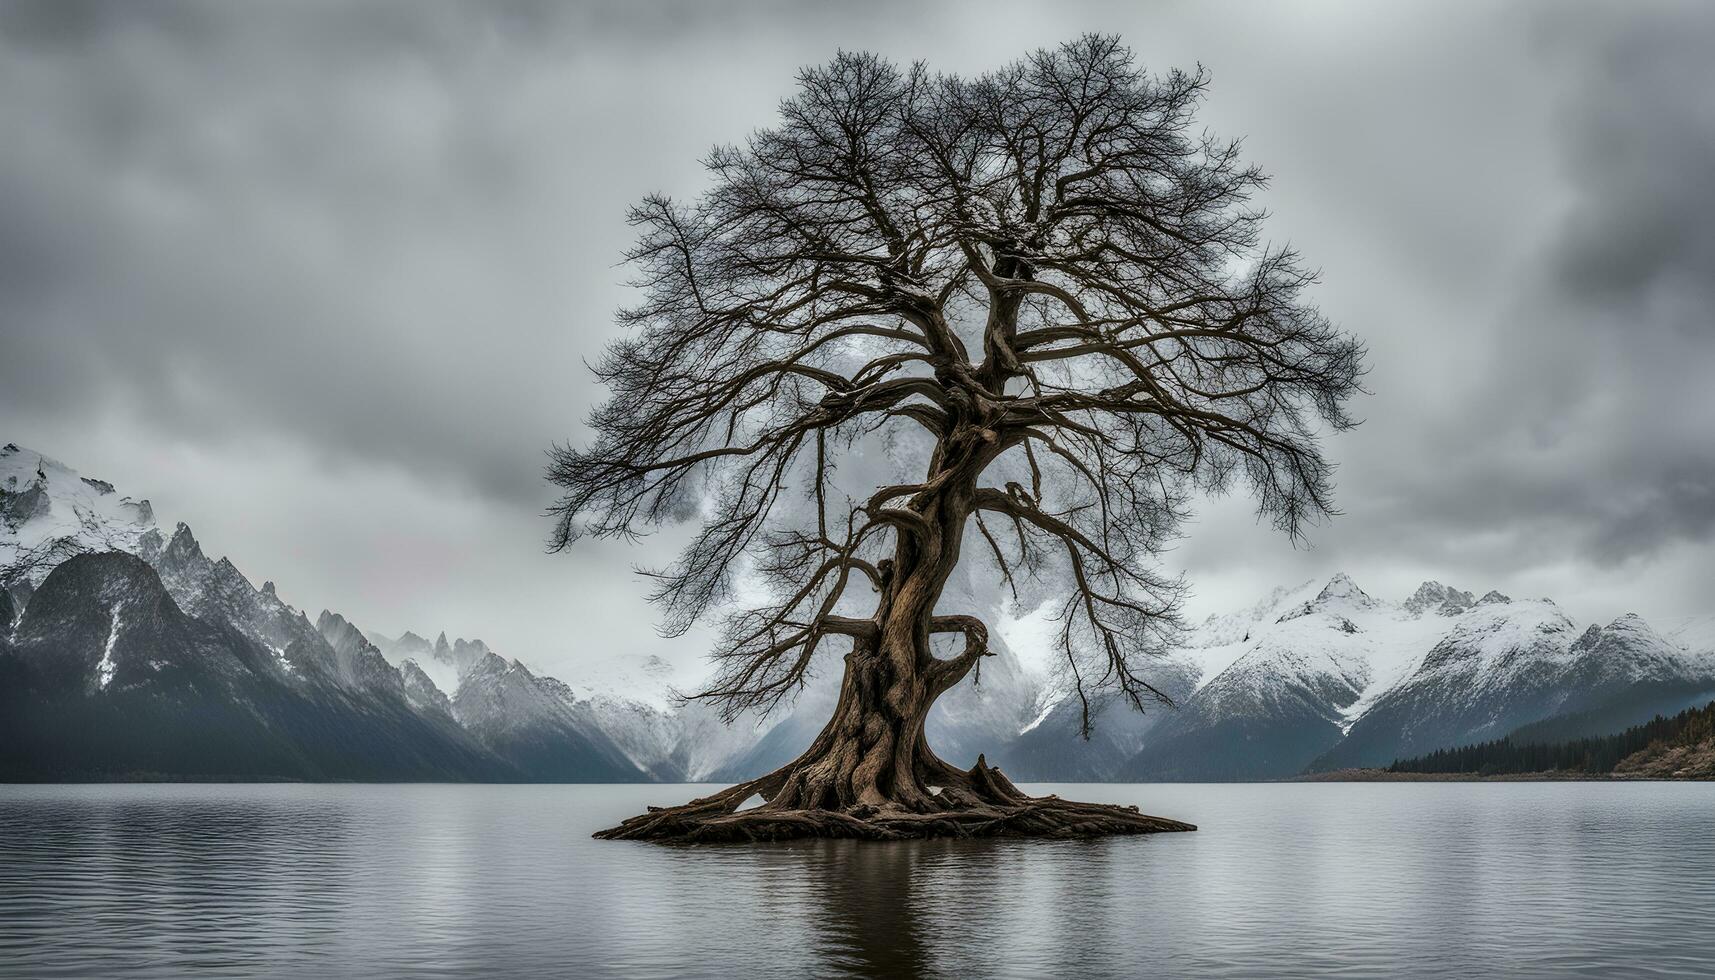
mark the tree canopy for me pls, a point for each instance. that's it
(1046, 285)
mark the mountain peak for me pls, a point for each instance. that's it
(1341, 586)
(1630, 623)
(1444, 600)
(1341, 593)
(183, 543)
(1628, 648)
(48, 513)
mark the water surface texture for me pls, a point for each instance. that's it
(1355, 880)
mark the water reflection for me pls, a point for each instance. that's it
(1293, 880)
(865, 901)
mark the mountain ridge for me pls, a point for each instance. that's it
(1317, 676)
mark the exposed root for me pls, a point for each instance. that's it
(979, 803)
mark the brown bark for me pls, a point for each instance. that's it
(870, 773)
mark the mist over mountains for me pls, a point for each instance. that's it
(126, 652)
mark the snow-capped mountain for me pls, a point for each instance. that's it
(496, 699)
(1507, 664)
(445, 663)
(105, 676)
(48, 513)
(632, 700)
(1498, 666)
(1333, 677)
(1278, 684)
(535, 724)
(118, 644)
(215, 591)
(126, 651)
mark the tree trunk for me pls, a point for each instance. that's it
(871, 773)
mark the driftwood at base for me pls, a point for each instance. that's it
(996, 810)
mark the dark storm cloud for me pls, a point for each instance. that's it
(1584, 431)
(388, 230)
(208, 229)
(1632, 281)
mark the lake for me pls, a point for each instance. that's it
(1283, 880)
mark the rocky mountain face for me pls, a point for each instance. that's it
(126, 652)
(1510, 664)
(534, 723)
(105, 676)
(49, 513)
(1337, 678)
(442, 661)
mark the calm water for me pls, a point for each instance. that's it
(1425, 879)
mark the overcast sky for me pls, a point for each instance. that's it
(321, 281)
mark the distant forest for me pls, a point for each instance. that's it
(1599, 754)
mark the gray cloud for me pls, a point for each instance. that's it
(1582, 433)
(343, 264)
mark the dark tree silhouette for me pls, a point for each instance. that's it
(1044, 285)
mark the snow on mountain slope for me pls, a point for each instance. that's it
(445, 676)
(1494, 670)
(645, 680)
(1309, 637)
(1506, 664)
(49, 513)
(535, 724)
(1051, 748)
(443, 663)
(1319, 675)
(631, 699)
(423, 693)
(107, 677)
(1629, 651)
(218, 592)
(623, 701)
(1282, 682)
(357, 663)
(1695, 637)
(1493, 645)
(1342, 678)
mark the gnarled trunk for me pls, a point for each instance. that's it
(870, 772)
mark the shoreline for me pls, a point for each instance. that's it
(1384, 776)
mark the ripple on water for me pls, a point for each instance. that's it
(1283, 880)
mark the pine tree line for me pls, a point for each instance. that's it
(1598, 754)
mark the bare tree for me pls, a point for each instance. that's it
(1052, 288)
